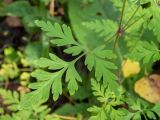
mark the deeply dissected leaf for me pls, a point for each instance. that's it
(156, 109)
(100, 92)
(148, 52)
(72, 77)
(54, 63)
(98, 59)
(62, 36)
(11, 99)
(100, 113)
(47, 81)
(106, 28)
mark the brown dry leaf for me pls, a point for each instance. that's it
(13, 21)
(149, 88)
(154, 80)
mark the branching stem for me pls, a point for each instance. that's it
(132, 17)
(127, 27)
(120, 25)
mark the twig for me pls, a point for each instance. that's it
(51, 8)
(64, 117)
(70, 99)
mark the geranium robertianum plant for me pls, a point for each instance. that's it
(115, 42)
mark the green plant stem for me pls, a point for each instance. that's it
(110, 38)
(115, 42)
(132, 17)
(122, 14)
(145, 117)
(121, 61)
(121, 21)
(120, 25)
(127, 27)
(119, 54)
(115, 46)
(79, 57)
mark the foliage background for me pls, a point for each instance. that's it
(62, 59)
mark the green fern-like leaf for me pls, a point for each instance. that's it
(148, 52)
(12, 99)
(156, 109)
(51, 80)
(99, 59)
(100, 92)
(47, 81)
(106, 28)
(99, 113)
(154, 18)
(62, 36)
